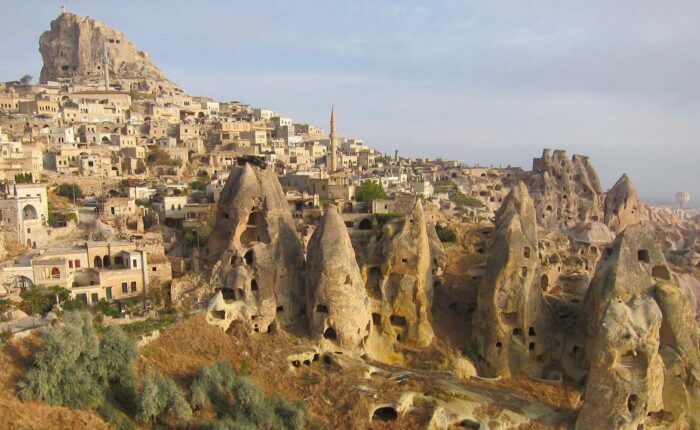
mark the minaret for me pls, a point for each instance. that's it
(334, 144)
(105, 65)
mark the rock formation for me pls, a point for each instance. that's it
(401, 287)
(261, 257)
(622, 206)
(642, 340)
(338, 307)
(74, 49)
(565, 192)
(510, 323)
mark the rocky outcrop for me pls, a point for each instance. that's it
(565, 192)
(338, 307)
(401, 286)
(260, 255)
(74, 49)
(511, 323)
(626, 374)
(622, 207)
(642, 340)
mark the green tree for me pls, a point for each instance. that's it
(72, 191)
(63, 370)
(26, 79)
(36, 300)
(76, 369)
(369, 191)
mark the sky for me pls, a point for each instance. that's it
(488, 82)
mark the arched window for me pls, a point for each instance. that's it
(55, 272)
(98, 261)
(29, 212)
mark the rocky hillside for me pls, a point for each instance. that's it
(74, 49)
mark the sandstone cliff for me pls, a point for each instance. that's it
(565, 192)
(511, 324)
(622, 206)
(74, 49)
(642, 340)
(338, 307)
(401, 286)
(255, 240)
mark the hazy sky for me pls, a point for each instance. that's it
(489, 82)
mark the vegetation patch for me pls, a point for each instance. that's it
(369, 191)
(446, 234)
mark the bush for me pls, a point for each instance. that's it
(74, 368)
(108, 309)
(193, 236)
(63, 370)
(445, 234)
(676, 257)
(117, 352)
(161, 400)
(212, 383)
(36, 300)
(369, 191)
(198, 186)
(72, 191)
(240, 403)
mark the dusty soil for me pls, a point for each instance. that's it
(334, 398)
(331, 397)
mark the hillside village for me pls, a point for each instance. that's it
(160, 211)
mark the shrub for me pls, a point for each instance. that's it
(292, 416)
(36, 300)
(445, 234)
(211, 383)
(198, 186)
(63, 370)
(193, 236)
(74, 368)
(117, 352)
(676, 257)
(74, 305)
(162, 400)
(240, 403)
(72, 191)
(108, 309)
